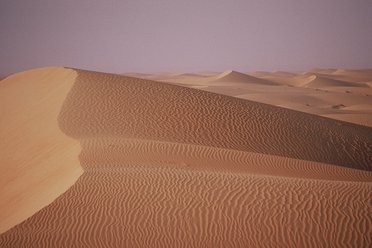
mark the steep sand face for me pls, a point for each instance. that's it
(37, 161)
(169, 166)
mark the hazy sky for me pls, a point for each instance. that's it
(185, 35)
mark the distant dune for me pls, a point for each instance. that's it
(357, 75)
(321, 82)
(172, 166)
(315, 92)
(237, 77)
(362, 75)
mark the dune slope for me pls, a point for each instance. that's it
(110, 105)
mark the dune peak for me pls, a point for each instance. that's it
(239, 77)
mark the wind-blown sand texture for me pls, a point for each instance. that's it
(172, 166)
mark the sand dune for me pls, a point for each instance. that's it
(326, 71)
(234, 76)
(171, 166)
(354, 75)
(321, 82)
(359, 76)
(290, 79)
(320, 78)
(211, 78)
(274, 73)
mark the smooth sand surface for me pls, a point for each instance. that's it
(173, 166)
(38, 162)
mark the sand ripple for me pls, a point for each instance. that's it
(163, 207)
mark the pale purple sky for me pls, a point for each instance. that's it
(185, 35)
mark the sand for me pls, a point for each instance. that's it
(315, 92)
(38, 162)
(168, 165)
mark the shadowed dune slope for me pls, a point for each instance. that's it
(101, 104)
(37, 161)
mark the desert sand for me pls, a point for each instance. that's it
(38, 162)
(91, 159)
(338, 94)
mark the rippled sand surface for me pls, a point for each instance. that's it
(165, 165)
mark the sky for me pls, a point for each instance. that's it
(185, 36)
